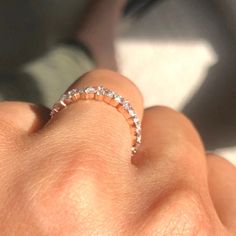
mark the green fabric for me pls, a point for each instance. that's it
(45, 79)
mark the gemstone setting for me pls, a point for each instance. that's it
(119, 99)
(90, 90)
(110, 94)
(110, 97)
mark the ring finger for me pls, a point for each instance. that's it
(96, 129)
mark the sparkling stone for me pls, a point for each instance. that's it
(52, 113)
(138, 125)
(136, 121)
(90, 90)
(110, 93)
(138, 130)
(132, 112)
(119, 99)
(72, 92)
(63, 103)
(56, 107)
(64, 97)
(134, 150)
(101, 90)
(139, 139)
(126, 105)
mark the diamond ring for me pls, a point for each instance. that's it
(110, 97)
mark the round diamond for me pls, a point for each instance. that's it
(68, 98)
(110, 94)
(64, 97)
(100, 90)
(134, 150)
(80, 91)
(90, 90)
(56, 107)
(119, 99)
(132, 112)
(63, 103)
(72, 92)
(136, 121)
(139, 139)
(126, 105)
(138, 130)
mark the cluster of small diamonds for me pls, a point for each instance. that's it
(100, 90)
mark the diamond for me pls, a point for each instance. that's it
(64, 97)
(138, 129)
(56, 107)
(119, 99)
(138, 125)
(139, 139)
(126, 105)
(136, 121)
(134, 150)
(110, 97)
(110, 93)
(132, 112)
(72, 92)
(79, 90)
(90, 90)
(63, 103)
(100, 90)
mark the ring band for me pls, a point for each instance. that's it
(110, 97)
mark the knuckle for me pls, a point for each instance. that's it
(188, 214)
(179, 213)
(71, 171)
(65, 196)
(174, 124)
(169, 112)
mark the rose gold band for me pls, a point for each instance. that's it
(103, 94)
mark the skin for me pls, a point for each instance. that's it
(74, 175)
(98, 30)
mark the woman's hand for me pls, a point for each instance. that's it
(75, 176)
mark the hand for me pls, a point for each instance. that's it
(74, 175)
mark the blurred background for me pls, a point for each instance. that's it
(182, 54)
(179, 53)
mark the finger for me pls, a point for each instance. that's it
(94, 127)
(172, 173)
(83, 154)
(222, 185)
(21, 118)
(171, 153)
(168, 132)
